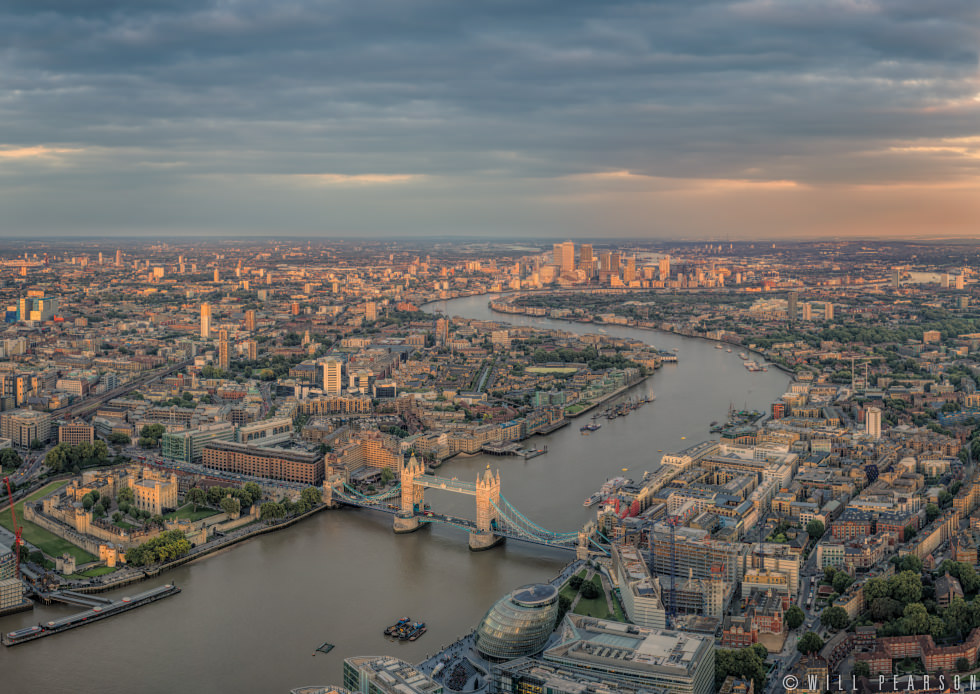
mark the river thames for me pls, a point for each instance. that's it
(250, 617)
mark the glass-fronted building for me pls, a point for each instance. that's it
(386, 675)
(519, 624)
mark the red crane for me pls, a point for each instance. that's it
(18, 531)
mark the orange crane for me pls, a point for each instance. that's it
(18, 531)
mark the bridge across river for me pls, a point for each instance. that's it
(496, 518)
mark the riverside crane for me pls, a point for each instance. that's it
(18, 530)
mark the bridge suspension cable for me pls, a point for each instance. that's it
(518, 523)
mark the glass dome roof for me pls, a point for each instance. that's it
(520, 623)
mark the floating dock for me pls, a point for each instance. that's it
(14, 638)
(512, 449)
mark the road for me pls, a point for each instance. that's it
(90, 404)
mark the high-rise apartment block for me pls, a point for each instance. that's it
(629, 272)
(206, 321)
(223, 358)
(586, 259)
(38, 308)
(872, 422)
(442, 331)
(332, 382)
(567, 260)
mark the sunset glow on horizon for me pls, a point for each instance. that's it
(737, 120)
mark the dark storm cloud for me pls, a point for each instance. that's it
(162, 95)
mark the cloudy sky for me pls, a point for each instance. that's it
(663, 118)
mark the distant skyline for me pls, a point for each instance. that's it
(756, 119)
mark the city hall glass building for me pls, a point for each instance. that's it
(519, 624)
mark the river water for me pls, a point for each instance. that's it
(250, 617)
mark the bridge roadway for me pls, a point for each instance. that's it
(450, 485)
(461, 523)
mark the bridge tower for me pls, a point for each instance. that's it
(330, 483)
(583, 550)
(412, 499)
(487, 516)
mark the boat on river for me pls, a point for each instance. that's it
(397, 625)
(406, 630)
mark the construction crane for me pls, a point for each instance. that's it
(18, 531)
(673, 522)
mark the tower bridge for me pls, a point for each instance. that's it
(496, 518)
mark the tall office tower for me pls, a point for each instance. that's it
(896, 277)
(216, 274)
(118, 257)
(100, 257)
(556, 254)
(665, 268)
(331, 376)
(605, 261)
(294, 308)
(791, 307)
(206, 321)
(629, 273)
(250, 320)
(828, 311)
(253, 350)
(370, 311)
(585, 259)
(872, 422)
(223, 361)
(614, 262)
(442, 331)
(567, 257)
(960, 281)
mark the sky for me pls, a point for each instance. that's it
(682, 119)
